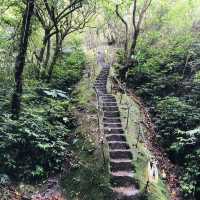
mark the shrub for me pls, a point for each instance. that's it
(35, 146)
(172, 114)
(69, 70)
(186, 152)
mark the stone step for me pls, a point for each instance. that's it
(101, 78)
(109, 96)
(115, 138)
(110, 108)
(113, 131)
(121, 165)
(122, 173)
(112, 125)
(100, 87)
(111, 114)
(103, 75)
(101, 82)
(112, 100)
(120, 154)
(123, 181)
(102, 91)
(126, 193)
(111, 120)
(109, 104)
(108, 101)
(118, 145)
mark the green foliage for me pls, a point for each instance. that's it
(69, 69)
(36, 146)
(41, 134)
(172, 114)
(166, 76)
(88, 177)
(188, 140)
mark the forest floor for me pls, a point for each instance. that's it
(88, 179)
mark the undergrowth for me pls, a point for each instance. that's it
(166, 77)
(36, 146)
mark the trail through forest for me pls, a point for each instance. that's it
(122, 177)
(99, 99)
(164, 164)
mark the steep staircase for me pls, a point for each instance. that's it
(122, 179)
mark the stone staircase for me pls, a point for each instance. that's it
(122, 179)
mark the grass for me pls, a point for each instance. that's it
(87, 180)
(89, 177)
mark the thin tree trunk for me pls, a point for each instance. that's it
(130, 60)
(20, 59)
(55, 57)
(44, 44)
(126, 33)
(47, 53)
(132, 49)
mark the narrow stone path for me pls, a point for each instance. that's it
(122, 179)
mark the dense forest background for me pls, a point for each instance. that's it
(43, 57)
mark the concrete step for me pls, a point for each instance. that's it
(113, 131)
(109, 96)
(110, 104)
(101, 82)
(112, 125)
(100, 87)
(111, 114)
(115, 138)
(120, 165)
(112, 100)
(110, 108)
(118, 145)
(111, 120)
(123, 181)
(120, 154)
(126, 193)
(102, 91)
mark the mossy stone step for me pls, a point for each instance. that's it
(109, 103)
(110, 108)
(120, 154)
(109, 131)
(120, 165)
(126, 193)
(111, 120)
(122, 181)
(115, 138)
(111, 114)
(118, 145)
(112, 125)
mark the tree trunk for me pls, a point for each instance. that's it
(48, 52)
(44, 44)
(126, 33)
(130, 60)
(133, 45)
(20, 59)
(55, 57)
